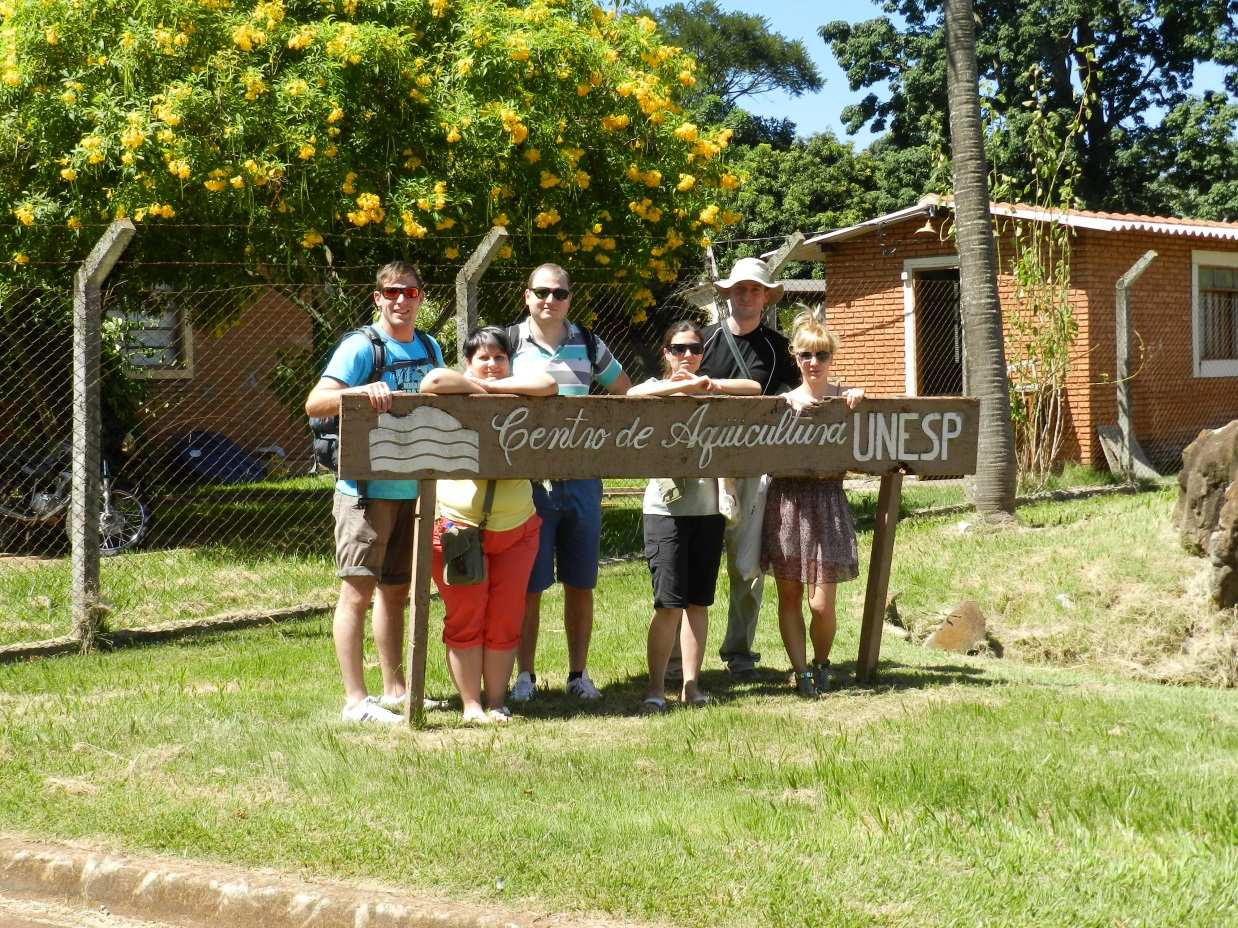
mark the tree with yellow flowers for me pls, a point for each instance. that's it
(305, 132)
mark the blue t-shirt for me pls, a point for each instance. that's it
(351, 364)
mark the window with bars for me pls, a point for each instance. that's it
(1215, 313)
(158, 342)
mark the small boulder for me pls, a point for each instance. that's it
(1209, 467)
(1206, 514)
(962, 631)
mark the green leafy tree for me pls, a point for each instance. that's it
(737, 53)
(308, 133)
(1138, 55)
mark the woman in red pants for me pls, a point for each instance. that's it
(481, 628)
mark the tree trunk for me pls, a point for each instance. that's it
(979, 306)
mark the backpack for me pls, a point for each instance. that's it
(326, 429)
(591, 346)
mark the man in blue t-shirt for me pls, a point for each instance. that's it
(373, 536)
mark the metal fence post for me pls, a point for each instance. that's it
(1123, 366)
(84, 509)
(467, 281)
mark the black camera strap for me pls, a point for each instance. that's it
(487, 502)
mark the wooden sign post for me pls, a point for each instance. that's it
(493, 437)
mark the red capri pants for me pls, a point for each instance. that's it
(489, 613)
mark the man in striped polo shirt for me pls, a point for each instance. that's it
(571, 510)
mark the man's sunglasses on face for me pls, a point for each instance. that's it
(393, 293)
(559, 293)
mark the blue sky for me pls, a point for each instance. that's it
(817, 112)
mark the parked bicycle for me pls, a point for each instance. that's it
(35, 489)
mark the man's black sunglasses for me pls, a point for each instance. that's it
(692, 348)
(542, 292)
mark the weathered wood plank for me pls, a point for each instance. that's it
(482, 437)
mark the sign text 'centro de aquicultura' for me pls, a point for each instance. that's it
(426, 437)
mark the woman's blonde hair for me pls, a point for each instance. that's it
(808, 333)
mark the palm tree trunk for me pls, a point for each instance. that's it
(978, 304)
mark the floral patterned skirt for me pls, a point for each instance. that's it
(809, 533)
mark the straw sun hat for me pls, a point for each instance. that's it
(755, 270)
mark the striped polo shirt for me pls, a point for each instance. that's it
(569, 363)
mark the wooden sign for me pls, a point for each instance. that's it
(481, 437)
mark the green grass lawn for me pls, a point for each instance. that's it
(959, 791)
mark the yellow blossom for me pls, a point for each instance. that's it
(336, 114)
(686, 182)
(612, 123)
(237, 181)
(311, 238)
(348, 186)
(21, 258)
(68, 98)
(214, 184)
(546, 219)
(51, 36)
(24, 214)
(453, 135)
(179, 168)
(652, 178)
(464, 66)
(444, 223)
(247, 37)
(582, 89)
(686, 131)
(548, 180)
(68, 174)
(532, 155)
(505, 251)
(438, 8)
(451, 252)
(728, 181)
(301, 38)
(686, 79)
(709, 215)
(581, 179)
(639, 316)
(412, 228)
(500, 220)
(569, 247)
(306, 151)
(133, 138)
(74, 223)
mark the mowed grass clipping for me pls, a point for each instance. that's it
(960, 791)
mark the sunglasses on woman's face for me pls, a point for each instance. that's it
(559, 293)
(682, 348)
(393, 293)
(820, 356)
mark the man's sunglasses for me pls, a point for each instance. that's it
(821, 356)
(559, 293)
(690, 348)
(393, 293)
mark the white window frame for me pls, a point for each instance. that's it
(1204, 368)
(184, 368)
(911, 369)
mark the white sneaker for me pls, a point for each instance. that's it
(524, 687)
(582, 688)
(368, 710)
(396, 703)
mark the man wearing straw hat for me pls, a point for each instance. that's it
(741, 346)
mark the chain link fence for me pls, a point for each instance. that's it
(213, 503)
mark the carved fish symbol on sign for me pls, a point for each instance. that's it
(427, 438)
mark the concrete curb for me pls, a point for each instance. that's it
(209, 895)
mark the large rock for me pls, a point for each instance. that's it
(1206, 514)
(962, 631)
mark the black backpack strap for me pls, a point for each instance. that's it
(513, 337)
(591, 350)
(378, 360)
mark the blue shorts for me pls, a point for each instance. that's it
(571, 534)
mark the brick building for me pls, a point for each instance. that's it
(892, 296)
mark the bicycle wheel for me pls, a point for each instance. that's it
(123, 522)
